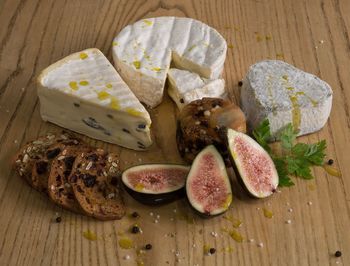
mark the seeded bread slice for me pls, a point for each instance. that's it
(59, 190)
(95, 180)
(42, 166)
(32, 152)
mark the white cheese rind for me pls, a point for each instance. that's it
(143, 52)
(84, 93)
(185, 87)
(284, 94)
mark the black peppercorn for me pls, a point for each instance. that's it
(58, 219)
(212, 250)
(240, 83)
(135, 215)
(330, 161)
(148, 246)
(337, 253)
(135, 229)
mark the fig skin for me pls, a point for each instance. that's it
(218, 210)
(148, 198)
(155, 199)
(224, 135)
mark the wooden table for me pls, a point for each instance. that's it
(311, 34)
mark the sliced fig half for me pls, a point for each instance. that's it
(208, 186)
(155, 183)
(253, 165)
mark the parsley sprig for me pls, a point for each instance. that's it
(296, 158)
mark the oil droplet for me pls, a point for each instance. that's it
(139, 187)
(230, 46)
(140, 263)
(268, 213)
(258, 38)
(90, 235)
(268, 37)
(84, 83)
(125, 243)
(137, 64)
(83, 56)
(115, 43)
(234, 221)
(156, 69)
(102, 95)
(285, 77)
(296, 115)
(280, 56)
(148, 22)
(332, 170)
(191, 48)
(109, 85)
(114, 103)
(234, 234)
(206, 249)
(133, 112)
(73, 85)
(228, 249)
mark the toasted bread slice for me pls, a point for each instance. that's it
(95, 180)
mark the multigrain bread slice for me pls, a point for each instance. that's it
(35, 151)
(59, 189)
(95, 180)
(42, 167)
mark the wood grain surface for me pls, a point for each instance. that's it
(311, 34)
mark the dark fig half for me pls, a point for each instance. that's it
(155, 183)
(208, 186)
(253, 165)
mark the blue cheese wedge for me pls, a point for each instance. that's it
(185, 87)
(143, 52)
(284, 94)
(84, 93)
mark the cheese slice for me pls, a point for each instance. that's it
(283, 94)
(143, 52)
(185, 87)
(84, 93)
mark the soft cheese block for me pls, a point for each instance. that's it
(185, 87)
(284, 94)
(84, 93)
(143, 52)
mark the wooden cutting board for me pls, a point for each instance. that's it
(312, 35)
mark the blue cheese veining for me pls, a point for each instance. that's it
(84, 93)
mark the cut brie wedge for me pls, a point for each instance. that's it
(185, 87)
(143, 52)
(84, 93)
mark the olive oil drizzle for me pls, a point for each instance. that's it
(294, 99)
(270, 95)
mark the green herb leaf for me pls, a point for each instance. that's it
(262, 134)
(288, 137)
(297, 160)
(298, 167)
(284, 179)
